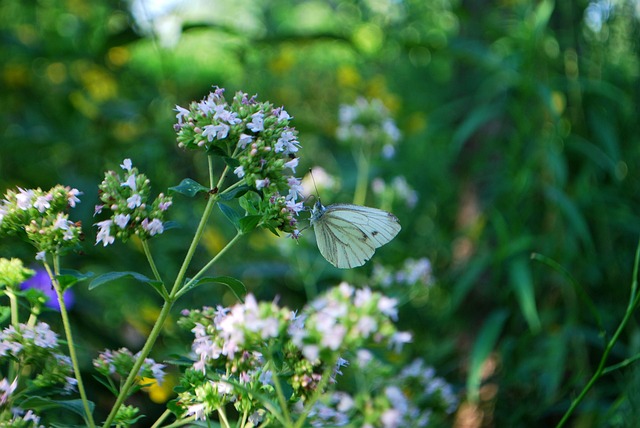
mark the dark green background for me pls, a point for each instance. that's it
(520, 134)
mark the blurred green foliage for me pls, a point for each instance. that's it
(520, 134)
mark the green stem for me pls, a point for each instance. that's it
(13, 303)
(166, 307)
(634, 299)
(223, 417)
(181, 422)
(362, 165)
(280, 394)
(67, 331)
(152, 264)
(146, 349)
(161, 419)
(201, 272)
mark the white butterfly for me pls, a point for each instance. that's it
(348, 235)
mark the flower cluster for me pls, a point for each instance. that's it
(16, 417)
(235, 348)
(413, 272)
(257, 143)
(130, 213)
(414, 397)
(120, 363)
(345, 318)
(37, 345)
(368, 123)
(43, 217)
(13, 273)
(397, 189)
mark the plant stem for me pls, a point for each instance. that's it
(181, 422)
(152, 264)
(281, 398)
(208, 265)
(634, 299)
(161, 419)
(67, 331)
(146, 349)
(173, 295)
(13, 303)
(223, 417)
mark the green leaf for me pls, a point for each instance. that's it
(572, 213)
(485, 343)
(231, 214)
(235, 193)
(189, 187)
(465, 282)
(235, 285)
(249, 223)
(218, 151)
(42, 404)
(112, 276)
(232, 162)
(520, 279)
(106, 384)
(69, 277)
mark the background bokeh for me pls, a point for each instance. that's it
(520, 134)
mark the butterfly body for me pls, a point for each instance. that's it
(348, 235)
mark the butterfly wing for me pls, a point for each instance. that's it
(348, 235)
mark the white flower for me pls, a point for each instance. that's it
(7, 389)
(134, 201)
(388, 306)
(153, 227)
(61, 222)
(42, 203)
(182, 113)
(294, 207)
(295, 188)
(399, 339)
(292, 164)
(40, 255)
(72, 197)
(283, 115)
(163, 206)
(130, 182)
(260, 184)
(198, 410)
(104, 233)
(121, 220)
(244, 140)
(239, 171)
(126, 164)
(23, 199)
(219, 131)
(68, 235)
(223, 114)
(287, 143)
(257, 122)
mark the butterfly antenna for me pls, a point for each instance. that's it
(314, 184)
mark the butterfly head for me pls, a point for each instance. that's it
(317, 211)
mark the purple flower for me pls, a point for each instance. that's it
(40, 281)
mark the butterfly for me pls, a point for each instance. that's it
(348, 235)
